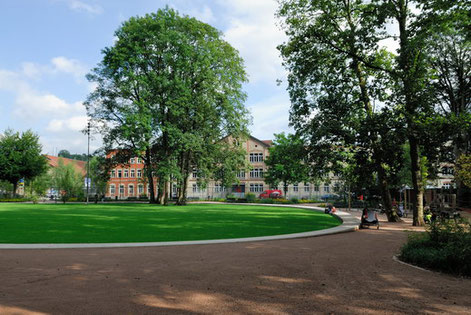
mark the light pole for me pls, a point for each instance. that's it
(88, 159)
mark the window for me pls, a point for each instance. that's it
(195, 174)
(336, 187)
(126, 173)
(113, 173)
(306, 187)
(112, 190)
(256, 157)
(195, 188)
(133, 173)
(132, 160)
(316, 187)
(120, 173)
(447, 170)
(256, 173)
(241, 174)
(121, 189)
(131, 190)
(326, 188)
(219, 188)
(139, 173)
(256, 187)
(295, 187)
(446, 186)
(140, 189)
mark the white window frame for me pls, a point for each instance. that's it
(126, 173)
(131, 190)
(112, 190)
(132, 173)
(139, 173)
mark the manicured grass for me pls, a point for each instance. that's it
(102, 223)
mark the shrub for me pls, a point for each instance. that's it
(294, 200)
(250, 197)
(267, 200)
(14, 199)
(446, 246)
(132, 198)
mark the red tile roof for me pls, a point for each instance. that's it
(79, 166)
(268, 142)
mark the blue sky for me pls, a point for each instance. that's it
(49, 45)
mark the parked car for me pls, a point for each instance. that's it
(271, 193)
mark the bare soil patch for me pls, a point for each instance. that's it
(343, 273)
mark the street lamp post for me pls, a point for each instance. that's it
(88, 159)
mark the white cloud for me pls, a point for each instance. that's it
(204, 14)
(78, 5)
(253, 31)
(69, 66)
(270, 116)
(76, 123)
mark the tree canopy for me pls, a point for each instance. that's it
(20, 157)
(168, 91)
(286, 163)
(351, 95)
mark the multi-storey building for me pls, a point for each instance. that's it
(128, 180)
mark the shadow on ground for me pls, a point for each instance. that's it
(343, 273)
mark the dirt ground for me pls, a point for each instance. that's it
(337, 274)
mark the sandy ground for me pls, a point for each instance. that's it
(350, 273)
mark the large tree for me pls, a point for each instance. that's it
(20, 157)
(338, 86)
(168, 90)
(343, 37)
(286, 163)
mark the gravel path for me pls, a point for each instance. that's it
(341, 274)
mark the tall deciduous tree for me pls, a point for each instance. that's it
(337, 76)
(287, 161)
(20, 157)
(168, 90)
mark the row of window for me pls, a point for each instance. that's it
(126, 173)
(130, 189)
(256, 187)
(256, 157)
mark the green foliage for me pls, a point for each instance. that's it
(168, 91)
(99, 173)
(68, 155)
(446, 246)
(20, 157)
(463, 169)
(39, 185)
(67, 181)
(286, 163)
(250, 197)
(294, 200)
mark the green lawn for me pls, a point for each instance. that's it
(103, 223)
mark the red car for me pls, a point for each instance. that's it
(271, 193)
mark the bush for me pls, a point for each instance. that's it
(250, 197)
(267, 200)
(14, 199)
(294, 200)
(446, 246)
(132, 198)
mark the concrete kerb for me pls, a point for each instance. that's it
(349, 224)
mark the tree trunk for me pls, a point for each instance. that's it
(150, 177)
(285, 189)
(15, 187)
(417, 202)
(386, 197)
